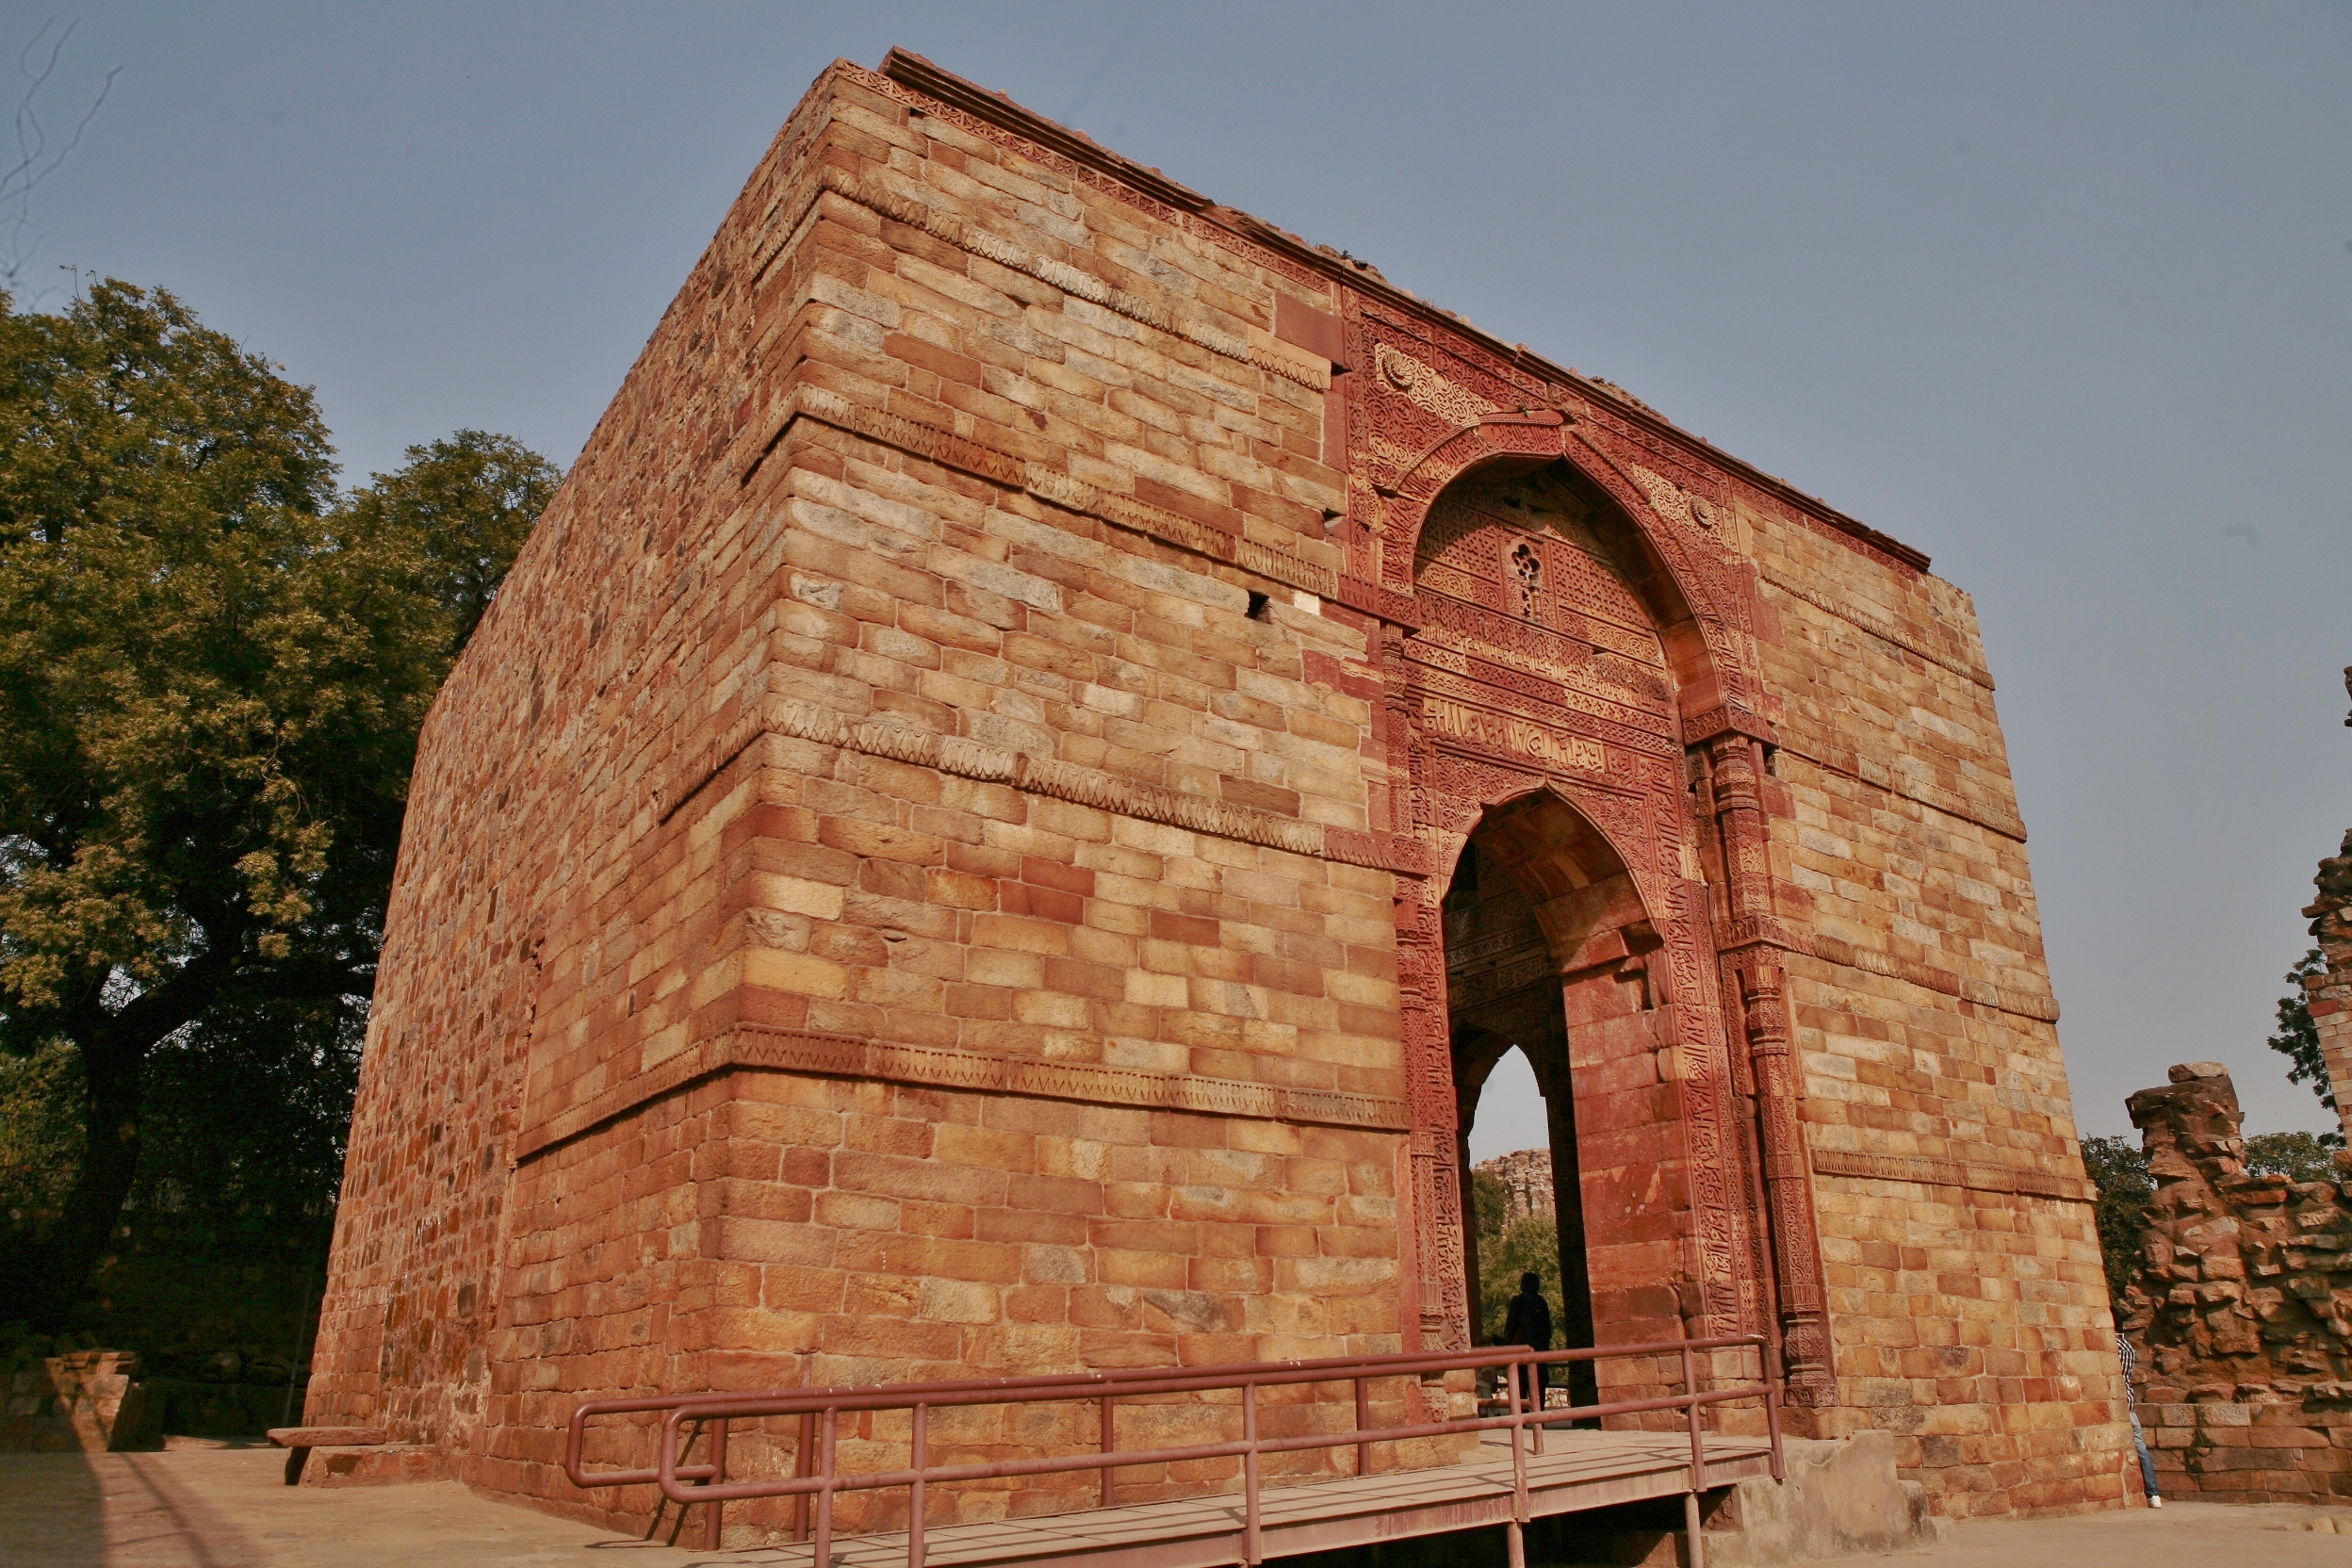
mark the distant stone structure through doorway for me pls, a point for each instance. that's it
(1050, 740)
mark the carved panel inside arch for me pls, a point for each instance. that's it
(1535, 642)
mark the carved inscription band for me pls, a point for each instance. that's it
(1045, 775)
(757, 1049)
(1931, 1172)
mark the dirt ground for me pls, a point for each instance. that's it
(214, 1506)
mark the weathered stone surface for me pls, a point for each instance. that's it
(1527, 1178)
(375, 1465)
(940, 858)
(1840, 1500)
(86, 1400)
(2328, 994)
(2245, 1382)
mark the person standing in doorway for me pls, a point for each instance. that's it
(1529, 1323)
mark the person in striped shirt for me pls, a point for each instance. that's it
(2139, 1440)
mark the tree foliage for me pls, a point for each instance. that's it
(2297, 1156)
(213, 669)
(2118, 1168)
(2298, 1039)
(1509, 1248)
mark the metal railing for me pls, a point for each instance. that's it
(818, 1481)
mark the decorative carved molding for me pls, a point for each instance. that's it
(1041, 776)
(1722, 720)
(1378, 599)
(757, 1048)
(950, 451)
(911, 80)
(1505, 690)
(1934, 796)
(1428, 389)
(1928, 1171)
(975, 241)
(928, 442)
(1855, 615)
(1735, 936)
(1486, 732)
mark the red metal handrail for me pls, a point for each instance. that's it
(821, 1409)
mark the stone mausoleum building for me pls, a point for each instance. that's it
(1052, 737)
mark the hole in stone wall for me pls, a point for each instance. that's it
(1259, 603)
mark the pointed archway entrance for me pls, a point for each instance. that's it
(1550, 950)
(1540, 723)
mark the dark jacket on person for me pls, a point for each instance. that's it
(1530, 1322)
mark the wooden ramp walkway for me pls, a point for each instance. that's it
(1579, 1470)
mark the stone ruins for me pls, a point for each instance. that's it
(1527, 1178)
(2243, 1310)
(1052, 737)
(2329, 992)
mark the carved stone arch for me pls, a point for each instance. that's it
(1699, 597)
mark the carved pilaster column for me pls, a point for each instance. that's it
(1436, 1196)
(1439, 1267)
(1764, 1013)
(1739, 819)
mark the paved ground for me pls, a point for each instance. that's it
(229, 1507)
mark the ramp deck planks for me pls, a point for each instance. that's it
(1581, 1470)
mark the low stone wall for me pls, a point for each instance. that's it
(2280, 1448)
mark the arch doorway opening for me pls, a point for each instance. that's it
(1548, 961)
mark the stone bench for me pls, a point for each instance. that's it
(300, 1440)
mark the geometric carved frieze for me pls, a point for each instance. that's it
(1928, 1171)
(753, 1047)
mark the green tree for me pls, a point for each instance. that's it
(1490, 1204)
(2298, 1039)
(458, 512)
(2118, 1168)
(2297, 1156)
(212, 673)
(1509, 1248)
(1528, 1243)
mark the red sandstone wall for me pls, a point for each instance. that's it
(877, 900)
(1969, 1301)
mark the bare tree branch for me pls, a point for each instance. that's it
(37, 159)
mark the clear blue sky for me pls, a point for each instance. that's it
(2060, 294)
